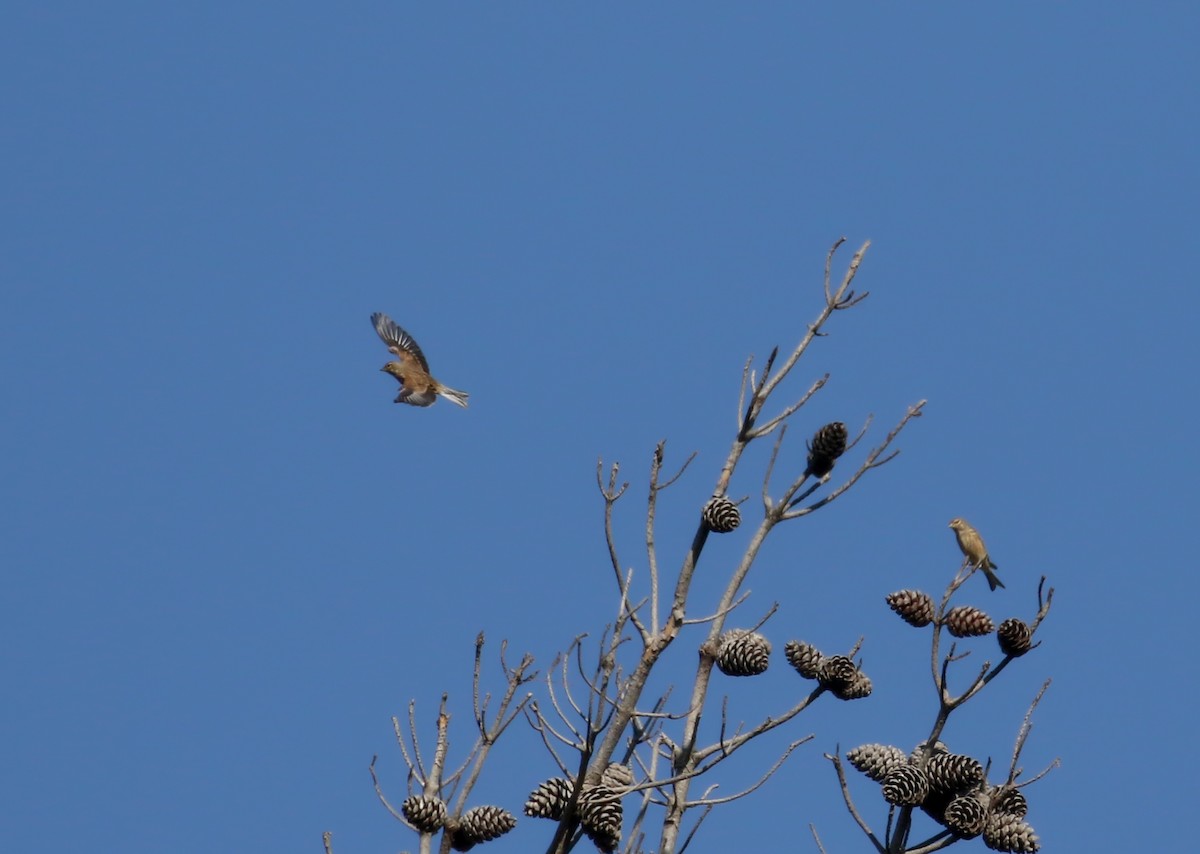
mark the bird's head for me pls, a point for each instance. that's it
(393, 368)
(956, 524)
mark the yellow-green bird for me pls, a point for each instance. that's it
(974, 550)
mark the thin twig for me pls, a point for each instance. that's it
(836, 759)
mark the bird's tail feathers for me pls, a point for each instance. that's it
(992, 579)
(454, 395)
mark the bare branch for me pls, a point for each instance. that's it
(412, 732)
(874, 460)
(725, 748)
(539, 724)
(789, 411)
(836, 759)
(1023, 733)
(396, 814)
(413, 770)
(761, 780)
(768, 504)
(695, 827)
(829, 263)
(695, 621)
(816, 838)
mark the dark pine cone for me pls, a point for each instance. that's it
(905, 786)
(826, 446)
(838, 673)
(953, 772)
(858, 688)
(967, 816)
(600, 814)
(743, 653)
(550, 798)
(1015, 637)
(721, 515)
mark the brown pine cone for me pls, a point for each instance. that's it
(481, 824)
(1005, 832)
(966, 815)
(913, 606)
(550, 798)
(966, 621)
(905, 786)
(743, 653)
(427, 815)
(1015, 637)
(804, 657)
(876, 760)
(953, 772)
(837, 673)
(1009, 800)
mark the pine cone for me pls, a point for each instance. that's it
(913, 606)
(953, 772)
(550, 798)
(905, 786)
(617, 776)
(1015, 637)
(804, 657)
(481, 824)
(876, 760)
(968, 622)
(925, 749)
(743, 653)
(837, 673)
(1009, 800)
(967, 816)
(721, 515)
(858, 688)
(1005, 832)
(826, 446)
(600, 814)
(425, 814)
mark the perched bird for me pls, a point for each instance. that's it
(975, 551)
(417, 386)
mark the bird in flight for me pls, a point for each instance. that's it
(411, 370)
(974, 550)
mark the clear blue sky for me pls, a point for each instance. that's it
(228, 558)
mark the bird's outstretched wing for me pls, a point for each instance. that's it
(398, 341)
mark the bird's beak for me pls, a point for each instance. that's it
(383, 369)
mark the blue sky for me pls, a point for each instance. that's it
(228, 558)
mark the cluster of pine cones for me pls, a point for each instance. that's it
(964, 621)
(479, 824)
(599, 805)
(741, 652)
(952, 790)
(722, 515)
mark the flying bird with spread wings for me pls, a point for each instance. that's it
(411, 370)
